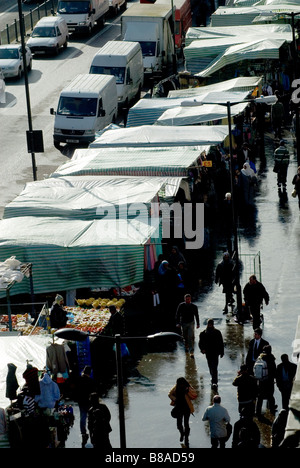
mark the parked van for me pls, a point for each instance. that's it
(82, 15)
(49, 35)
(124, 60)
(115, 6)
(88, 104)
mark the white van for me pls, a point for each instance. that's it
(88, 104)
(82, 15)
(49, 35)
(124, 60)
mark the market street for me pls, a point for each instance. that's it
(148, 420)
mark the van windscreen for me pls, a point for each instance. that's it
(44, 31)
(77, 107)
(148, 48)
(73, 7)
(118, 72)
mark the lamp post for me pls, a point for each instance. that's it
(73, 334)
(262, 99)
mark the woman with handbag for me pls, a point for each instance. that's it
(181, 396)
(296, 183)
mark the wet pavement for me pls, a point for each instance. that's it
(275, 237)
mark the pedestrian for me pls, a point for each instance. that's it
(175, 257)
(281, 164)
(255, 348)
(246, 390)
(266, 385)
(115, 325)
(285, 374)
(246, 433)
(186, 315)
(181, 399)
(85, 386)
(246, 182)
(212, 345)
(278, 428)
(277, 116)
(99, 423)
(225, 276)
(254, 294)
(296, 183)
(58, 315)
(218, 418)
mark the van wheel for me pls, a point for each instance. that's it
(29, 68)
(65, 44)
(56, 144)
(19, 75)
(56, 52)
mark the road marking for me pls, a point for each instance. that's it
(8, 10)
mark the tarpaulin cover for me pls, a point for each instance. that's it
(237, 16)
(241, 83)
(266, 30)
(70, 254)
(199, 114)
(153, 135)
(141, 161)
(87, 197)
(16, 350)
(256, 50)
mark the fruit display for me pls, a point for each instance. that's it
(20, 323)
(91, 315)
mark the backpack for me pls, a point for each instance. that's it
(260, 369)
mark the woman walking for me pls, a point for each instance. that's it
(181, 395)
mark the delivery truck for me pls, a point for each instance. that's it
(150, 25)
(82, 15)
(182, 19)
(124, 60)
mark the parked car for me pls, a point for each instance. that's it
(11, 60)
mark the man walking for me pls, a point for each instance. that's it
(246, 390)
(225, 276)
(186, 314)
(211, 344)
(255, 348)
(218, 418)
(285, 374)
(254, 294)
(281, 163)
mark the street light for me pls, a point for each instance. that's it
(262, 99)
(73, 334)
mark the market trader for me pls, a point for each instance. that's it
(186, 314)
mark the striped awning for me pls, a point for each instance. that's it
(140, 161)
(70, 254)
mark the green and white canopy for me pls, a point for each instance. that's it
(89, 197)
(154, 135)
(69, 253)
(241, 83)
(256, 50)
(140, 161)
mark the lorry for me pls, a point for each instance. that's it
(150, 25)
(88, 104)
(182, 21)
(82, 15)
(124, 60)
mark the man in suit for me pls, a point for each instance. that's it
(285, 374)
(256, 346)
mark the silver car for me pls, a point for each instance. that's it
(11, 60)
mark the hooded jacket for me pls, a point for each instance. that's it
(50, 393)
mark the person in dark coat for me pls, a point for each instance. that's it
(11, 382)
(254, 294)
(296, 183)
(84, 388)
(225, 277)
(285, 374)
(266, 387)
(211, 344)
(255, 348)
(115, 325)
(58, 316)
(246, 433)
(179, 394)
(246, 390)
(99, 423)
(186, 315)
